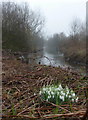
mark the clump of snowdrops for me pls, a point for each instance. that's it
(58, 95)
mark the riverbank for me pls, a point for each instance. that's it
(75, 56)
(22, 82)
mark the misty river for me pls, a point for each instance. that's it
(56, 59)
(53, 59)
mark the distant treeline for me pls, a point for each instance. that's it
(21, 27)
(74, 45)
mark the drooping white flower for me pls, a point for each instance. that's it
(40, 93)
(53, 96)
(54, 92)
(77, 99)
(62, 97)
(69, 96)
(44, 89)
(49, 97)
(73, 100)
(48, 92)
(73, 94)
(67, 92)
(62, 93)
(60, 87)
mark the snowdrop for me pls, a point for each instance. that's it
(73, 94)
(58, 94)
(77, 99)
(62, 93)
(49, 97)
(52, 93)
(62, 98)
(40, 92)
(69, 96)
(60, 87)
(73, 100)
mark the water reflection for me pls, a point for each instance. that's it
(54, 59)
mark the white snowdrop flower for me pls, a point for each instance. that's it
(60, 87)
(77, 99)
(62, 93)
(73, 100)
(48, 92)
(70, 96)
(52, 93)
(73, 94)
(53, 96)
(40, 93)
(67, 92)
(49, 97)
(44, 89)
(62, 98)
(66, 95)
(50, 89)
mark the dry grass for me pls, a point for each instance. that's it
(20, 82)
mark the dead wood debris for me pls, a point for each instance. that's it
(21, 85)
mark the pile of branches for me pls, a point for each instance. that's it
(21, 86)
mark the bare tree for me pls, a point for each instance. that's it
(19, 25)
(75, 30)
(75, 26)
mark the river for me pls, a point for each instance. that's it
(57, 59)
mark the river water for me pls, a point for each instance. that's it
(56, 59)
(53, 59)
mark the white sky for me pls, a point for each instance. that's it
(58, 13)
